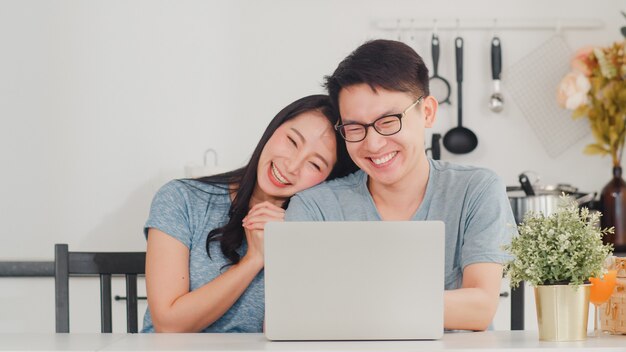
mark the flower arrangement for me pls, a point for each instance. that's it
(563, 248)
(596, 88)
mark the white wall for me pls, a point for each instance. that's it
(101, 102)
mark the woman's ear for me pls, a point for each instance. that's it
(429, 108)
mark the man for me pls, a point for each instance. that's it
(381, 93)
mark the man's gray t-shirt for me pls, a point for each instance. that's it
(472, 202)
(187, 210)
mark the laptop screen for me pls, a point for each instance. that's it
(370, 280)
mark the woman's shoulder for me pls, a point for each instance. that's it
(184, 208)
(191, 190)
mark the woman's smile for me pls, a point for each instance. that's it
(277, 177)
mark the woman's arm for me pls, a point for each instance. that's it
(473, 306)
(172, 307)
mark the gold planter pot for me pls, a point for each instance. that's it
(562, 312)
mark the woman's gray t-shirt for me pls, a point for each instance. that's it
(472, 203)
(188, 210)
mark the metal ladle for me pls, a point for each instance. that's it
(496, 101)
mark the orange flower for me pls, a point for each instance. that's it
(582, 61)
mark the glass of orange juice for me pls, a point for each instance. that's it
(601, 291)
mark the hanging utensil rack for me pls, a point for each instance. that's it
(525, 24)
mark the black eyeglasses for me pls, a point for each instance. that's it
(384, 125)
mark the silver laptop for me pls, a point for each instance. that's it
(363, 280)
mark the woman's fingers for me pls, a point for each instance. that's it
(264, 212)
(266, 205)
(254, 223)
(259, 221)
(259, 226)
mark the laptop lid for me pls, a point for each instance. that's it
(354, 280)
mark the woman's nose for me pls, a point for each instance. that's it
(294, 164)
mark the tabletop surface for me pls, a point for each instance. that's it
(470, 341)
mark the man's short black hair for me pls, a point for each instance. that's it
(387, 64)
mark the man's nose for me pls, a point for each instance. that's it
(374, 141)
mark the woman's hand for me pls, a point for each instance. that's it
(254, 225)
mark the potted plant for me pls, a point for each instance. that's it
(557, 254)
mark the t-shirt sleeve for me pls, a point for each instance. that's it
(489, 225)
(302, 209)
(169, 213)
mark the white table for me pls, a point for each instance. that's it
(481, 341)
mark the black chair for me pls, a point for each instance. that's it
(517, 307)
(104, 264)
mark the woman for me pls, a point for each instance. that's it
(205, 237)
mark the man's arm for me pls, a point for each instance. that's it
(473, 306)
(489, 225)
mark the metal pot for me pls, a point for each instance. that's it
(544, 199)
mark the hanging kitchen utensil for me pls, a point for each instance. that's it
(526, 186)
(532, 83)
(439, 86)
(496, 101)
(459, 140)
(435, 147)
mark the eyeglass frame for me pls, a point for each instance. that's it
(372, 124)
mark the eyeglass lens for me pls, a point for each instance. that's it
(386, 125)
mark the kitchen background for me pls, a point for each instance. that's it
(102, 102)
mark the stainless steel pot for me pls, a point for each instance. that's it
(546, 204)
(542, 199)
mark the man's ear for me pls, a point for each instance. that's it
(429, 107)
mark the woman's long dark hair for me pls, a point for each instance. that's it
(231, 235)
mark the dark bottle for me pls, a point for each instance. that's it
(613, 202)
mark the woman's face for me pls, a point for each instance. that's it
(300, 154)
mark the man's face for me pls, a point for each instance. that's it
(388, 160)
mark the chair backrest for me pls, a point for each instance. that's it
(517, 307)
(103, 264)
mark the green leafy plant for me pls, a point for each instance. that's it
(563, 248)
